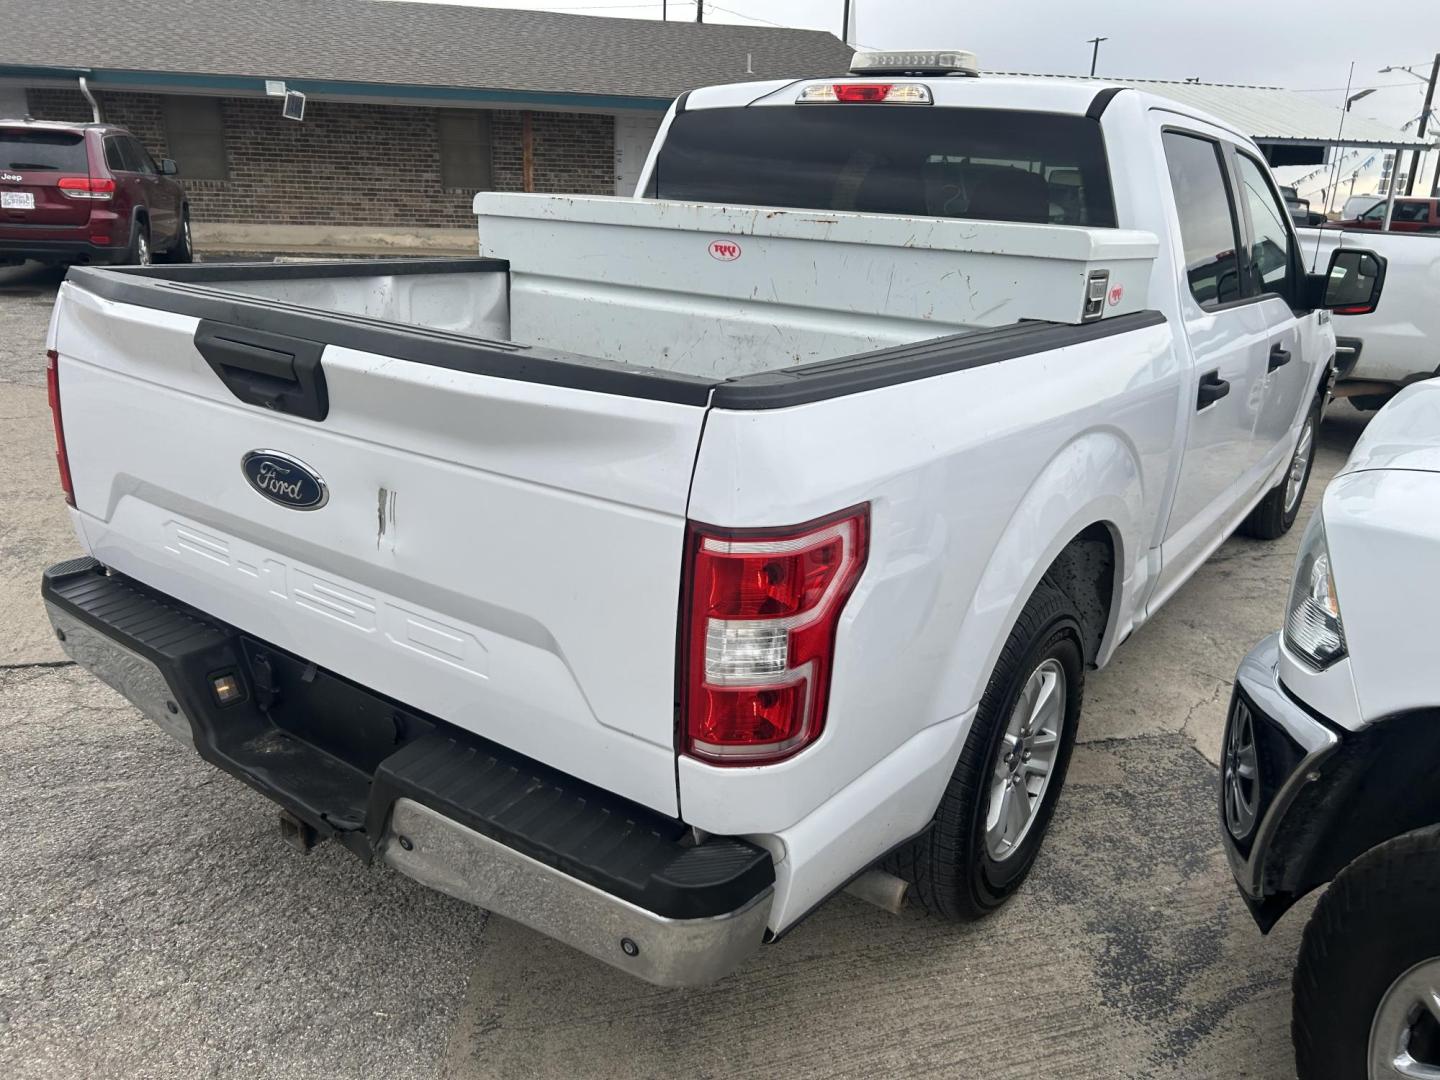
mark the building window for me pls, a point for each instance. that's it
(196, 137)
(464, 150)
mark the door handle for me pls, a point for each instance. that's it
(1212, 389)
(1279, 357)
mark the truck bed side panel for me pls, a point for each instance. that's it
(975, 480)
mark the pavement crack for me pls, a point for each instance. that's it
(37, 664)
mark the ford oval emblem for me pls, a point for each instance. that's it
(284, 480)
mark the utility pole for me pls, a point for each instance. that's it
(699, 11)
(664, 11)
(845, 24)
(1095, 53)
(1424, 120)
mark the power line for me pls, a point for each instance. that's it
(742, 15)
(598, 7)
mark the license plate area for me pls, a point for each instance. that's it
(17, 200)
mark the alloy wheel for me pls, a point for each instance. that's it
(1405, 1035)
(1241, 774)
(1299, 466)
(1025, 760)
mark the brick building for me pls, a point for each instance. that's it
(411, 108)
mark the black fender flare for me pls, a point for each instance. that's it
(1379, 784)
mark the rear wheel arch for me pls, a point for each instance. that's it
(1107, 513)
(1085, 571)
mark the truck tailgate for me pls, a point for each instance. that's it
(500, 553)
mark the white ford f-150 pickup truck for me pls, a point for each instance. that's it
(685, 558)
(1378, 352)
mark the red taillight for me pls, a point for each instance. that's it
(52, 386)
(87, 187)
(862, 92)
(761, 607)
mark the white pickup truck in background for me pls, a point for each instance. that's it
(1381, 351)
(686, 557)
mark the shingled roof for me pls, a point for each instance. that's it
(408, 44)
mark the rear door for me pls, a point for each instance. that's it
(500, 553)
(1272, 279)
(1228, 338)
(32, 163)
(164, 214)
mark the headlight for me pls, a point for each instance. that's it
(1313, 630)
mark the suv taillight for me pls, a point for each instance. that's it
(758, 621)
(52, 386)
(87, 187)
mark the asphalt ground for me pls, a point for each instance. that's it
(153, 925)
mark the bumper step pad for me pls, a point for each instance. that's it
(338, 756)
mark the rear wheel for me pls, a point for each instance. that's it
(1367, 987)
(1276, 513)
(184, 249)
(998, 804)
(139, 253)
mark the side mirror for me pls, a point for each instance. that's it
(1353, 282)
(168, 167)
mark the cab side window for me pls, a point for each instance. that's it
(1270, 238)
(1208, 231)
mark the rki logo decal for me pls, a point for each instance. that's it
(724, 250)
(1117, 294)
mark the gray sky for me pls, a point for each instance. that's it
(1305, 46)
(1301, 46)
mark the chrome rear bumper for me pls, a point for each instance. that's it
(469, 866)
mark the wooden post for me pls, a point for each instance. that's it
(527, 153)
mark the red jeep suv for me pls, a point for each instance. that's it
(87, 193)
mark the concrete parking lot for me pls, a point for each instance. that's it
(152, 924)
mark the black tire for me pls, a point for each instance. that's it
(139, 253)
(1274, 515)
(184, 249)
(1376, 922)
(950, 867)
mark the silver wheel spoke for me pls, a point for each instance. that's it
(1037, 767)
(1432, 1001)
(1000, 800)
(1248, 765)
(1405, 1005)
(1019, 814)
(1045, 703)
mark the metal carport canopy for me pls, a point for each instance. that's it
(1272, 114)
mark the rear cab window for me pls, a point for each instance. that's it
(930, 161)
(43, 151)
